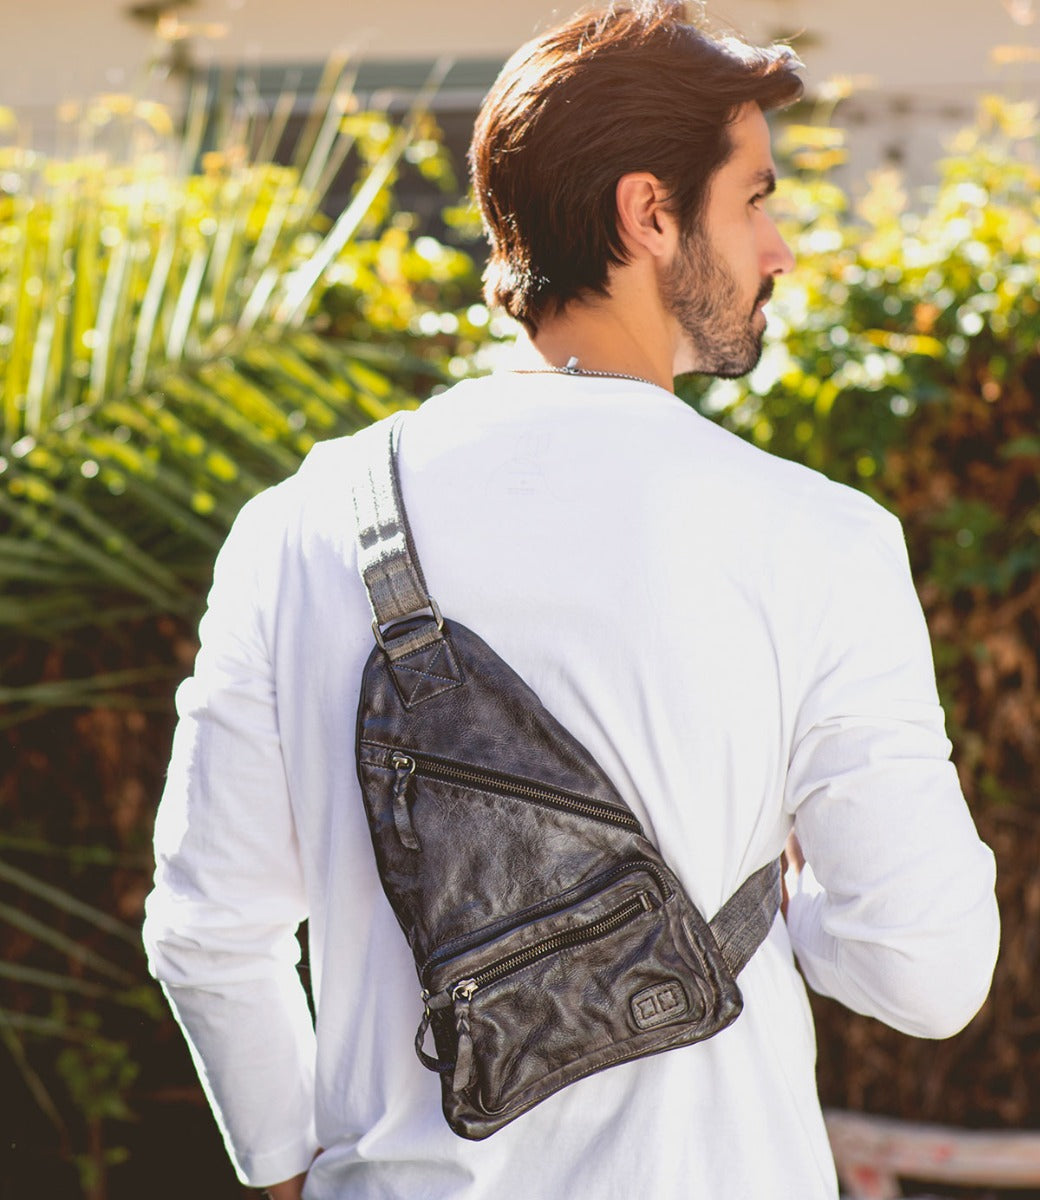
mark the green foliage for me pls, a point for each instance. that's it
(891, 307)
(172, 341)
(116, 512)
(98, 1073)
(159, 355)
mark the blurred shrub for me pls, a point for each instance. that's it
(179, 323)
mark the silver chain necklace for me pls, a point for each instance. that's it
(572, 368)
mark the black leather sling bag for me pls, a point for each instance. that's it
(550, 937)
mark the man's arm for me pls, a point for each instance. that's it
(221, 922)
(895, 915)
(791, 862)
(291, 1189)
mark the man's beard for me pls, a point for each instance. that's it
(704, 298)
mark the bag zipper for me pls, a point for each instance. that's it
(404, 769)
(407, 764)
(547, 908)
(643, 902)
(464, 990)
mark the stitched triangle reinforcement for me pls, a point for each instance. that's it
(426, 673)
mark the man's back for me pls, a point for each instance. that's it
(735, 639)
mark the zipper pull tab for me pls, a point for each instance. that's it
(461, 995)
(404, 769)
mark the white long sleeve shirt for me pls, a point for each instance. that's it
(734, 638)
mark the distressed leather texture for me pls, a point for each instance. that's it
(550, 938)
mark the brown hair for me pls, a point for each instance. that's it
(607, 93)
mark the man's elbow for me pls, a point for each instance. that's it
(937, 993)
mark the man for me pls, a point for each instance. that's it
(734, 638)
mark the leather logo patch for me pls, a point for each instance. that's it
(657, 1005)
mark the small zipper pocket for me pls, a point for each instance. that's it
(553, 984)
(643, 902)
(408, 764)
(463, 992)
(546, 909)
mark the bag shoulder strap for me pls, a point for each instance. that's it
(392, 575)
(743, 922)
(387, 559)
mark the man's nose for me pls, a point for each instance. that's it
(778, 258)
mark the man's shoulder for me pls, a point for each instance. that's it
(692, 459)
(787, 497)
(318, 489)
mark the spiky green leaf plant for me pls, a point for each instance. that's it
(179, 323)
(157, 359)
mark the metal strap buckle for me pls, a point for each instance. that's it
(379, 632)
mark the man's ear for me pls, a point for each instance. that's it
(645, 221)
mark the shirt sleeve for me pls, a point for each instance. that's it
(228, 897)
(896, 917)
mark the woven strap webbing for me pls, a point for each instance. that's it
(387, 559)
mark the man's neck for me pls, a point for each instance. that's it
(608, 336)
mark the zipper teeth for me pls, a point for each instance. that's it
(515, 787)
(560, 941)
(548, 908)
